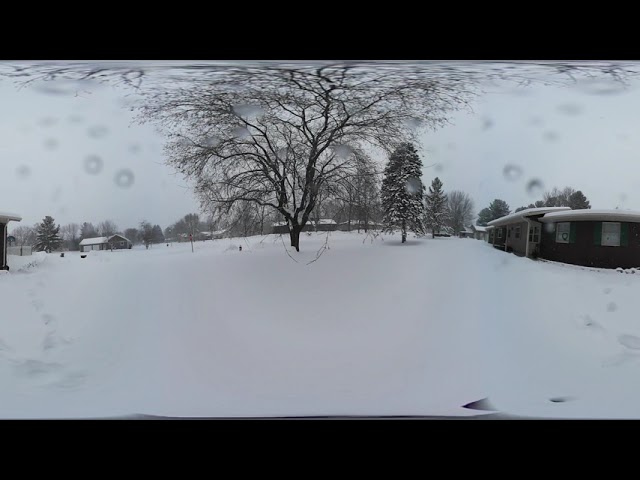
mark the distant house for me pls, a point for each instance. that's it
(466, 233)
(5, 218)
(324, 225)
(479, 232)
(114, 242)
(358, 225)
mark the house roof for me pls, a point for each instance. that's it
(94, 241)
(519, 216)
(118, 235)
(466, 230)
(591, 215)
(7, 217)
(479, 228)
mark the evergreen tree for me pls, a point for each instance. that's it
(577, 201)
(498, 208)
(47, 235)
(403, 192)
(88, 231)
(157, 235)
(437, 212)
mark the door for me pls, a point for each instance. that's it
(534, 239)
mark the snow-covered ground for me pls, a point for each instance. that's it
(372, 327)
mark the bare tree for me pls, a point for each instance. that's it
(107, 228)
(70, 235)
(131, 234)
(461, 210)
(274, 136)
(24, 235)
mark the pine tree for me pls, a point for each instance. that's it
(498, 208)
(157, 235)
(47, 235)
(577, 201)
(437, 212)
(403, 192)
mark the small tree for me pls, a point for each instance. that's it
(498, 208)
(47, 235)
(156, 234)
(577, 201)
(461, 210)
(436, 209)
(69, 234)
(24, 235)
(146, 233)
(403, 192)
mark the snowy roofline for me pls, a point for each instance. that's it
(588, 214)
(479, 228)
(118, 235)
(519, 216)
(94, 241)
(466, 230)
(7, 217)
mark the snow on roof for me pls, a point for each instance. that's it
(94, 241)
(7, 217)
(479, 228)
(489, 227)
(326, 221)
(279, 224)
(467, 230)
(519, 216)
(585, 215)
(118, 235)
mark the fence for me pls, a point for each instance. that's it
(20, 251)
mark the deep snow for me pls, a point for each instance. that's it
(372, 327)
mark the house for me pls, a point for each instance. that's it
(114, 242)
(324, 225)
(479, 232)
(519, 232)
(594, 238)
(466, 233)
(358, 225)
(5, 218)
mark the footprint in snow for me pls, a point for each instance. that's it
(611, 307)
(607, 290)
(47, 318)
(591, 324)
(561, 399)
(620, 359)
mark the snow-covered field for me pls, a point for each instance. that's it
(371, 328)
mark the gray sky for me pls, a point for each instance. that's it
(558, 135)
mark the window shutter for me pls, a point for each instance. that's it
(597, 233)
(572, 232)
(624, 234)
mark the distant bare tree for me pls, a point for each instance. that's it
(131, 234)
(24, 235)
(107, 228)
(70, 235)
(461, 210)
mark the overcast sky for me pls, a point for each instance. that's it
(557, 135)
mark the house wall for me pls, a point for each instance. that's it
(585, 252)
(499, 242)
(3, 246)
(517, 245)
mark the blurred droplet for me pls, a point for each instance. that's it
(50, 143)
(342, 151)
(413, 185)
(76, 118)
(413, 123)
(57, 193)
(629, 341)
(611, 307)
(93, 164)
(570, 109)
(97, 131)
(550, 136)
(135, 148)
(487, 123)
(600, 86)
(536, 121)
(623, 196)
(512, 172)
(211, 141)
(549, 227)
(534, 187)
(23, 172)
(607, 290)
(451, 146)
(240, 132)
(438, 167)
(48, 121)
(246, 110)
(281, 153)
(124, 178)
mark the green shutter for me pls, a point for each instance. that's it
(597, 233)
(624, 234)
(572, 232)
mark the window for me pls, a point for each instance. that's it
(534, 233)
(611, 234)
(499, 233)
(563, 231)
(517, 233)
(509, 232)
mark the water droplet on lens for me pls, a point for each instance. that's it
(534, 187)
(124, 178)
(23, 172)
(342, 151)
(240, 132)
(512, 172)
(413, 185)
(93, 164)
(97, 131)
(50, 143)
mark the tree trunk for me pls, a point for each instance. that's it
(294, 234)
(404, 232)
